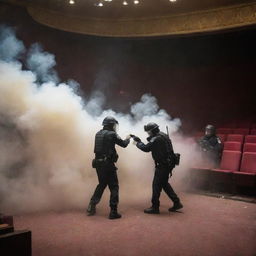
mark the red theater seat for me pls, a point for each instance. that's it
(253, 126)
(230, 161)
(249, 147)
(236, 137)
(248, 164)
(221, 179)
(224, 130)
(247, 174)
(253, 131)
(241, 131)
(222, 137)
(233, 145)
(250, 139)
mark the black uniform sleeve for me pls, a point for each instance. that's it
(218, 146)
(120, 142)
(146, 147)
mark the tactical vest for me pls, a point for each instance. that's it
(104, 145)
(164, 155)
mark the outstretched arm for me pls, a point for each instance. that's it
(120, 142)
(144, 147)
(141, 145)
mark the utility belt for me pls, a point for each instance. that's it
(104, 159)
(170, 162)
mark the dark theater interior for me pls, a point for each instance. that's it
(188, 66)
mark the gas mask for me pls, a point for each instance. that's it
(149, 133)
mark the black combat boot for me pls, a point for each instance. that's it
(176, 206)
(91, 210)
(152, 210)
(114, 214)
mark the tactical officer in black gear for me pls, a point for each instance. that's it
(161, 148)
(104, 162)
(211, 145)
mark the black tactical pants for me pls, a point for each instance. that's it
(107, 176)
(160, 182)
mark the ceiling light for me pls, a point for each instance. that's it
(125, 3)
(172, 0)
(136, 2)
(99, 4)
(71, 2)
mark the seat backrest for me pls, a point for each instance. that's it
(233, 145)
(244, 131)
(248, 162)
(235, 137)
(250, 139)
(224, 130)
(230, 160)
(249, 147)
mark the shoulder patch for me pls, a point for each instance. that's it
(219, 141)
(152, 140)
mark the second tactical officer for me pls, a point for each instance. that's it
(160, 145)
(104, 162)
(211, 145)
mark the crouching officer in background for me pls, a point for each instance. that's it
(211, 145)
(104, 162)
(161, 148)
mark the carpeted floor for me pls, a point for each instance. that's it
(206, 226)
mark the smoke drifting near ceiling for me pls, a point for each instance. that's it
(47, 136)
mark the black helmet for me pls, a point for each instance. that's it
(211, 129)
(150, 127)
(109, 120)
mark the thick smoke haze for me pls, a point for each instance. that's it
(47, 136)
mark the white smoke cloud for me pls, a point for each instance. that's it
(47, 139)
(10, 47)
(42, 63)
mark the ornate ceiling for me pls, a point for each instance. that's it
(147, 18)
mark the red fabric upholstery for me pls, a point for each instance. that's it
(248, 162)
(235, 137)
(233, 145)
(224, 130)
(249, 147)
(250, 139)
(253, 126)
(241, 131)
(230, 160)
(222, 137)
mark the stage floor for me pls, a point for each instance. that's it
(207, 226)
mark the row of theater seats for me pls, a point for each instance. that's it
(238, 162)
(244, 131)
(239, 154)
(238, 142)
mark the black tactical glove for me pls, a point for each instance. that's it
(135, 138)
